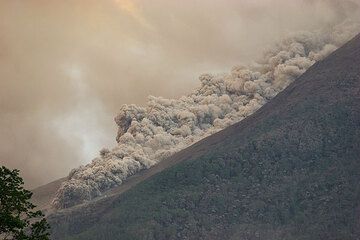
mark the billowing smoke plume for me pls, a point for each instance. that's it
(149, 134)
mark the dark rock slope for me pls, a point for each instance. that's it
(289, 171)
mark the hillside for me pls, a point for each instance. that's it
(289, 171)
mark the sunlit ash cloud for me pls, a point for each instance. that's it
(134, 11)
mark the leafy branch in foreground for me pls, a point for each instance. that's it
(18, 219)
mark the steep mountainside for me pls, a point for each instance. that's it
(289, 171)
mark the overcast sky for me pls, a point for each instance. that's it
(67, 66)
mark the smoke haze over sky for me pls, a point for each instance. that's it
(67, 66)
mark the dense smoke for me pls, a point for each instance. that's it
(66, 66)
(149, 134)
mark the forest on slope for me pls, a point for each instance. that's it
(289, 171)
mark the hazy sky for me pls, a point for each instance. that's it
(67, 66)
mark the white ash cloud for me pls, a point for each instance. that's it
(149, 134)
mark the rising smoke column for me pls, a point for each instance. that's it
(149, 134)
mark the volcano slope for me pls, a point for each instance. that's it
(289, 171)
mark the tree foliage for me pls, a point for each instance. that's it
(18, 219)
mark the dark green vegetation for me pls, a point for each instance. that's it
(290, 171)
(17, 218)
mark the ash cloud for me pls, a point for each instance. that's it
(67, 66)
(149, 134)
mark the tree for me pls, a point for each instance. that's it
(18, 219)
